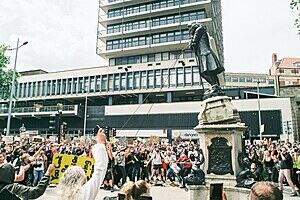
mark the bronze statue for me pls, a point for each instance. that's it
(209, 65)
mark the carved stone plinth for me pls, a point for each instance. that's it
(220, 132)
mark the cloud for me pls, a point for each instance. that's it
(61, 33)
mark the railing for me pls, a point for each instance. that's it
(39, 109)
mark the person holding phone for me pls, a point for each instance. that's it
(74, 185)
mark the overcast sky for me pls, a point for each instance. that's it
(62, 33)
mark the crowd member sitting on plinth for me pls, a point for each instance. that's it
(73, 184)
(265, 191)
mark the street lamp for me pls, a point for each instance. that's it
(12, 88)
(259, 114)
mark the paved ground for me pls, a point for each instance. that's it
(158, 193)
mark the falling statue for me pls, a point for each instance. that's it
(209, 65)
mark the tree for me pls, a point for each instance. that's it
(295, 6)
(5, 74)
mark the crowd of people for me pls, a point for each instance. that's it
(141, 162)
(277, 162)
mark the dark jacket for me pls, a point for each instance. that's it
(288, 162)
(22, 191)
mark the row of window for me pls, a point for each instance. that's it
(289, 71)
(158, 21)
(248, 80)
(297, 64)
(153, 57)
(147, 7)
(173, 77)
(147, 40)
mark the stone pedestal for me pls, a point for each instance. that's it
(220, 132)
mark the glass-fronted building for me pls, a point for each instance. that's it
(149, 67)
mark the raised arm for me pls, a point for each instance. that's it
(91, 188)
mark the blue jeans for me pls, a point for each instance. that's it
(37, 175)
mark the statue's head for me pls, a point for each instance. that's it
(193, 26)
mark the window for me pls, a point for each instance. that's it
(196, 76)
(112, 62)
(262, 80)
(123, 81)
(227, 79)
(92, 84)
(188, 76)
(180, 77)
(242, 79)
(130, 81)
(53, 87)
(142, 41)
(177, 18)
(104, 83)
(80, 86)
(110, 82)
(144, 58)
(185, 17)
(165, 78)
(248, 79)
(108, 45)
(157, 79)
(177, 36)
(135, 42)
(157, 57)
(163, 21)
(163, 37)
(172, 77)
(136, 81)
(44, 88)
(170, 37)
(193, 16)
(86, 84)
(270, 81)
(135, 25)
(188, 54)
(143, 24)
(170, 20)
(143, 8)
(39, 89)
(155, 39)
(69, 85)
(163, 4)
(98, 84)
(235, 79)
(49, 85)
(151, 58)
(143, 79)
(165, 56)
(58, 86)
(117, 82)
(297, 64)
(150, 79)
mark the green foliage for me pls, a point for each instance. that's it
(5, 74)
(295, 6)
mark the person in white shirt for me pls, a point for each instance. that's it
(73, 185)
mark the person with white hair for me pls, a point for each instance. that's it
(73, 185)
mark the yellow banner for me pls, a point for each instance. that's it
(63, 161)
